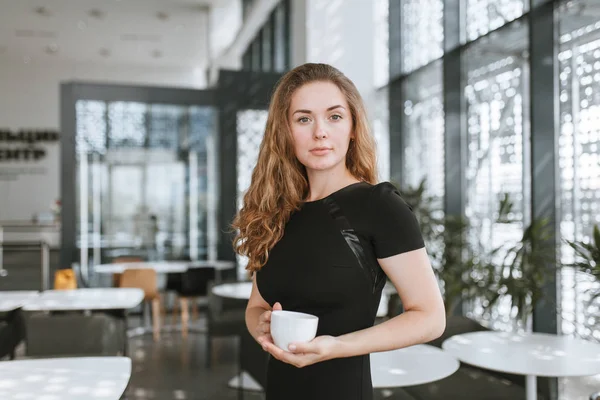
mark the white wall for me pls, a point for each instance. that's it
(30, 99)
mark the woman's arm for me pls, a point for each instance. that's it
(423, 320)
(258, 315)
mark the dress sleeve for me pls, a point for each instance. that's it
(394, 227)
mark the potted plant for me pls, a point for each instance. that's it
(519, 271)
(445, 238)
(587, 261)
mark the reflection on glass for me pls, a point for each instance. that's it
(424, 132)
(250, 131)
(381, 132)
(142, 179)
(495, 94)
(381, 43)
(484, 16)
(578, 160)
(422, 32)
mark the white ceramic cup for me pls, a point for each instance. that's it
(291, 327)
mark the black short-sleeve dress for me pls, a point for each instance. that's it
(326, 264)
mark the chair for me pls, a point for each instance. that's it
(225, 317)
(74, 335)
(191, 285)
(145, 279)
(12, 332)
(122, 260)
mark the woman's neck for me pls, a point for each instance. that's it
(323, 183)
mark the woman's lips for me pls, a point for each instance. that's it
(319, 151)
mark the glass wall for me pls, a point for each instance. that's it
(251, 126)
(423, 131)
(484, 16)
(496, 94)
(270, 49)
(579, 158)
(422, 32)
(143, 180)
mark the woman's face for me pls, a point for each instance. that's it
(321, 126)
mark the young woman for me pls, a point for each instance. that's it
(321, 236)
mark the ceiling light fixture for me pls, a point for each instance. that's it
(96, 13)
(52, 48)
(42, 11)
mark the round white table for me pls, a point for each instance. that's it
(164, 267)
(12, 300)
(86, 300)
(414, 365)
(531, 354)
(238, 290)
(81, 378)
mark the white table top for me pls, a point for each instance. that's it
(86, 299)
(413, 365)
(536, 354)
(82, 378)
(239, 290)
(163, 267)
(11, 300)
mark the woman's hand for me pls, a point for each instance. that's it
(263, 329)
(300, 355)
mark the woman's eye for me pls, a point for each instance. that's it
(336, 117)
(303, 120)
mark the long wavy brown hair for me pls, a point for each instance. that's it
(279, 182)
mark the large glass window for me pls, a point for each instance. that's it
(381, 132)
(496, 94)
(423, 126)
(250, 131)
(142, 180)
(422, 32)
(484, 16)
(381, 43)
(578, 159)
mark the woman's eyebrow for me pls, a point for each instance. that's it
(310, 112)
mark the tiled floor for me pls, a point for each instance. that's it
(174, 368)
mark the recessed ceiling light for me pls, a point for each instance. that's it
(42, 11)
(96, 13)
(52, 48)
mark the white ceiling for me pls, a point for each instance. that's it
(130, 32)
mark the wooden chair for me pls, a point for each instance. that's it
(145, 279)
(122, 260)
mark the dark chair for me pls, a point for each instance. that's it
(12, 333)
(56, 335)
(226, 317)
(191, 285)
